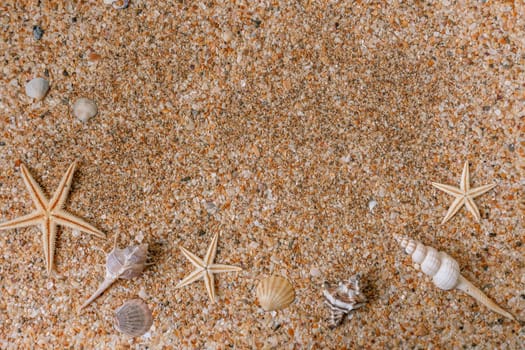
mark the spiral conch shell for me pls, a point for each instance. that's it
(444, 271)
(342, 299)
(124, 263)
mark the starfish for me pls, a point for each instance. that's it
(205, 268)
(464, 195)
(49, 213)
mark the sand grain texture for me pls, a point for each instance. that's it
(275, 124)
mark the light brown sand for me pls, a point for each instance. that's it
(275, 124)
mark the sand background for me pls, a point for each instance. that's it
(274, 123)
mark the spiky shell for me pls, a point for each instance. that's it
(342, 299)
(133, 318)
(127, 263)
(124, 263)
(275, 293)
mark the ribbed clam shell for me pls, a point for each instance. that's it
(275, 293)
(134, 318)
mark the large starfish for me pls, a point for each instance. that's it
(49, 213)
(205, 268)
(464, 195)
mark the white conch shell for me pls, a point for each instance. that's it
(444, 271)
(275, 293)
(124, 263)
(133, 318)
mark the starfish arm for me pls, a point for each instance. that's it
(37, 195)
(63, 218)
(454, 207)
(192, 277)
(471, 206)
(212, 250)
(448, 189)
(49, 231)
(478, 191)
(60, 195)
(33, 218)
(465, 178)
(194, 259)
(219, 268)
(209, 282)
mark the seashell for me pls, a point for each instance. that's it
(124, 263)
(275, 293)
(117, 4)
(133, 318)
(37, 88)
(84, 109)
(445, 272)
(342, 299)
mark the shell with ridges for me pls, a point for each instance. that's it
(342, 299)
(445, 272)
(275, 293)
(133, 318)
(124, 263)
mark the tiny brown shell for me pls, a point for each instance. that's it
(133, 318)
(275, 293)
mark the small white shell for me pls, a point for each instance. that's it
(275, 293)
(84, 109)
(118, 4)
(37, 88)
(133, 318)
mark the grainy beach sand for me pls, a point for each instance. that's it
(275, 123)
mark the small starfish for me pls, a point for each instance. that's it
(464, 195)
(205, 268)
(49, 213)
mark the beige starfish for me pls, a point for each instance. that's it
(464, 195)
(205, 268)
(49, 213)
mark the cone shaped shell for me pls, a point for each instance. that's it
(134, 318)
(275, 293)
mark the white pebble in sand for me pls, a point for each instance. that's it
(37, 88)
(371, 205)
(84, 109)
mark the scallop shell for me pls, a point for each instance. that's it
(275, 293)
(133, 318)
(84, 109)
(37, 88)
